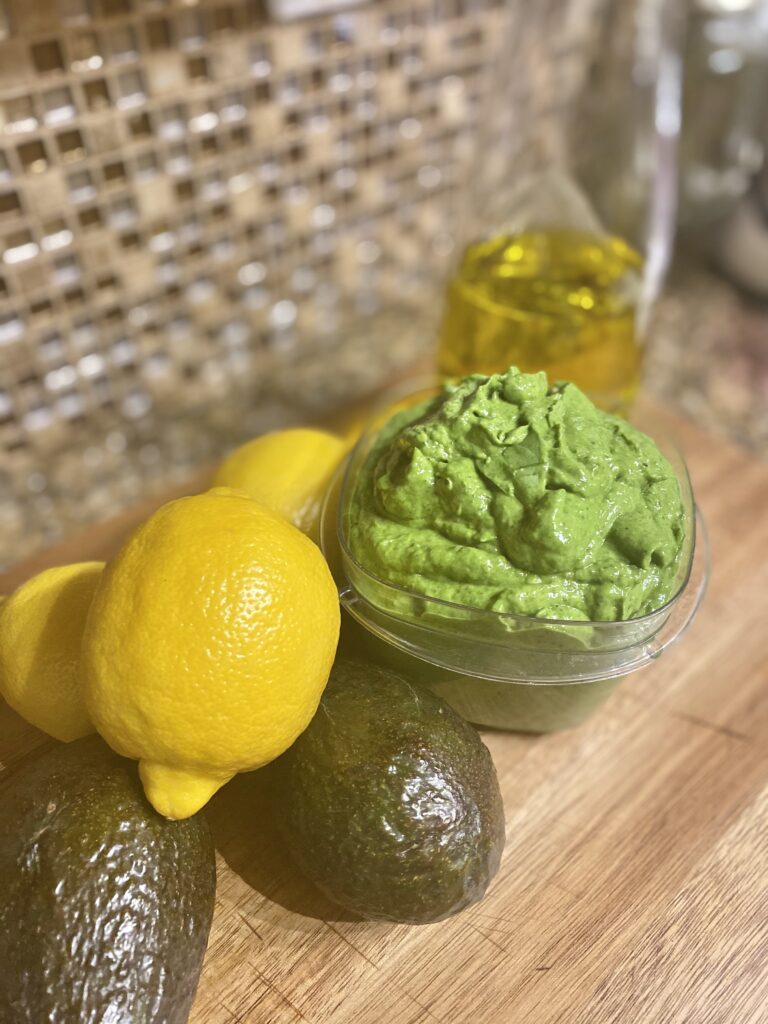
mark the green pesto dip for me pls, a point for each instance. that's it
(505, 494)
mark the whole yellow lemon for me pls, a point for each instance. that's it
(288, 471)
(41, 626)
(208, 644)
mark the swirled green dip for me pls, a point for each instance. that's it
(505, 494)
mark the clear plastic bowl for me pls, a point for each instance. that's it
(496, 669)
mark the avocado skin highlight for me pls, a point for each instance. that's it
(504, 494)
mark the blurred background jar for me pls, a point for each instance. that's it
(724, 173)
(725, 111)
(569, 210)
(709, 356)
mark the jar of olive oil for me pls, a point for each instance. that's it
(567, 214)
(557, 299)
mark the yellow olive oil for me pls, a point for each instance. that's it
(560, 300)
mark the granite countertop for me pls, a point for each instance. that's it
(708, 355)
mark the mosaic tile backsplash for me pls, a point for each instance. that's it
(211, 223)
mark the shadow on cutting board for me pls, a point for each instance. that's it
(243, 818)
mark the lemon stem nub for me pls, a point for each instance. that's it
(178, 792)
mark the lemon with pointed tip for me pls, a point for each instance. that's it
(209, 642)
(41, 626)
(288, 471)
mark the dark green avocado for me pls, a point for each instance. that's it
(390, 801)
(105, 906)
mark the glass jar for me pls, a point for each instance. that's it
(569, 206)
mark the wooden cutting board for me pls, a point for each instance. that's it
(634, 885)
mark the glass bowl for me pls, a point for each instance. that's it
(496, 669)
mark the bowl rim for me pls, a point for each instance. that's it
(584, 667)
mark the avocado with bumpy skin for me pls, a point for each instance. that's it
(105, 906)
(391, 801)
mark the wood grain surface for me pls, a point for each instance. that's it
(634, 884)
